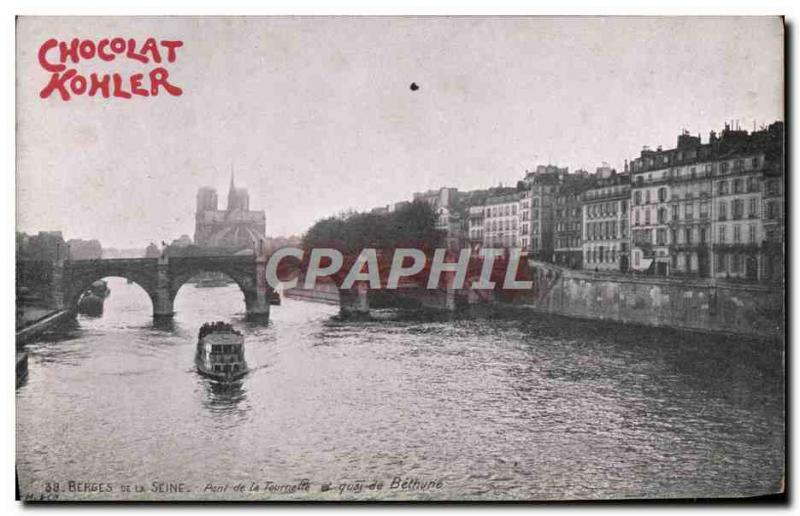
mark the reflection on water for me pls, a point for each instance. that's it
(518, 406)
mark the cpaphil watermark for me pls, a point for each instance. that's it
(382, 272)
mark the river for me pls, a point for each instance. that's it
(533, 407)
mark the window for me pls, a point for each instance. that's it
(662, 194)
(637, 197)
(647, 217)
(662, 215)
(636, 217)
(737, 234)
(702, 235)
(722, 188)
(772, 210)
(723, 210)
(689, 211)
(704, 210)
(687, 235)
(723, 167)
(675, 214)
(751, 234)
(738, 209)
(754, 162)
(772, 187)
(661, 236)
(738, 186)
(647, 196)
(721, 236)
(753, 208)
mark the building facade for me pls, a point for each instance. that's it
(568, 221)
(605, 224)
(475, 226)
(701, 209)
(235, 228)
(444, 202)
(543, 186)
(501, 221)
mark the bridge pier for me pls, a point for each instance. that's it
(354, 301)
(257, 304)
(163, 302)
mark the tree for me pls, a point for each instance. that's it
(412, 225)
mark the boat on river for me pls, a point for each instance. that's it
(91, 302)
(220, 352)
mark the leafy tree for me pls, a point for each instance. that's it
(411, 225)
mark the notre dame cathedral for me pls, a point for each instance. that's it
(235, 228)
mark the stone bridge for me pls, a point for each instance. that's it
(162, 277)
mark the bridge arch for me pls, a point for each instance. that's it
(247, 272)
(82, 276)
(161, 278)
(242, 282)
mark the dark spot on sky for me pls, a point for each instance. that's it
(414, 86)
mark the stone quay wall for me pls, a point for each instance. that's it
(696, 304)
(692, 304)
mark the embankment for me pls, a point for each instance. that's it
(691, 304)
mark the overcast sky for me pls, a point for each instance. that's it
(316, 115)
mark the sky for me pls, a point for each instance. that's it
(316, 116)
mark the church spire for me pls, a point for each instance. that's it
(232, 187)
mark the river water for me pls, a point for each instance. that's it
(516, 407)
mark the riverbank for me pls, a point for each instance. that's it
(707, 305)
(38, 322)
(692, 304)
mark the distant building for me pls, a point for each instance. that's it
(568, 220)
(604, 171)
(501, 221)
(152, 251)
(277, 242)
(539, 201)
(713, 209)
(235, 228)
(183, 241)
(650, 211)
(475, 226)
(448, 218)
(84, 249)
(605, 216)
(44, 246)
